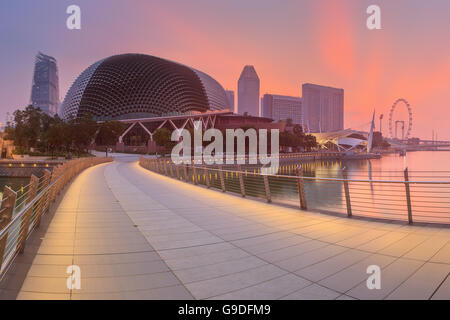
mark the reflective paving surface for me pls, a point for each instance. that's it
(138, 235)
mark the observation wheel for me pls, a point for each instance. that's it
(391, 120)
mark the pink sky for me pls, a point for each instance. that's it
(289, 43)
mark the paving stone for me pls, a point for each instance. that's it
(138, 235)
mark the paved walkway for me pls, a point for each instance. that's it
(138, 235)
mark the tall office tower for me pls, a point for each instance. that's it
(45, 89)
(282, 108)
(261, 106)
(230, 97)
(248, 92)
(323, 108)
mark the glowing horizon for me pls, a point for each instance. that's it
(324, 42)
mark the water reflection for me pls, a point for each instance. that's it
(15, 183)
(430, 203)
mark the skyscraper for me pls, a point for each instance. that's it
(230, 97)
(248, 92)
(323, 108)
(45, 88)
(279, 107)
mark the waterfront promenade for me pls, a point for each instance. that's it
(139, 235)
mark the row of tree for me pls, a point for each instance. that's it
(35, 131)
(296, 139)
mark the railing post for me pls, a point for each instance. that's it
(186, 178)
(177, 169)
(165, 167)
(158, 165)
(55, 175)
(408, 196)
(222, 180)
(267, 188)
(67, 176)
(301, 188)
(171, 169)
(347, 192)
(6, 212)
(241, 180)
(26, 220)
(45, 198)
(194, 173)
(60, 185)
(207, 180)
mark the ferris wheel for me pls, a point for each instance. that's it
(393, 124)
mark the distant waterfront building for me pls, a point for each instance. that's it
(6, 147)
(279, 107)
(323, 108)
(248, 92)
(45, 88)
(230, 96)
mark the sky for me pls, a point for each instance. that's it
(288, 42)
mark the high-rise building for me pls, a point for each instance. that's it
(230, 97)
(280, 107)
(248, 92)
(45, 88)
(323, 108)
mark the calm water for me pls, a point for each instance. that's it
(430, 203)
(14, 183)
(421, 165)
(376, 199)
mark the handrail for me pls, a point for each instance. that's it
(403, 199)
(27, 207)
(326, 179)
(15, 227)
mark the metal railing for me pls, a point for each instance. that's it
(20, 215)
(403, 196)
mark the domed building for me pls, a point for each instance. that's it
(134, 86)
(147, 93)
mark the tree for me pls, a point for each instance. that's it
(82, 132)
(379, 142)
(109, 133)
(288, 139)
(307, 141)
(162, 138)
(55, 136)
(310, 142)
(28, 128)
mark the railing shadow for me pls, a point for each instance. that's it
(15, 276)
